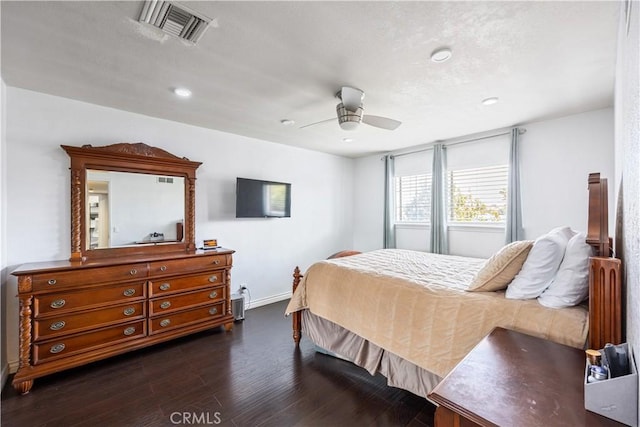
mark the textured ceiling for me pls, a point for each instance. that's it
(267, 61)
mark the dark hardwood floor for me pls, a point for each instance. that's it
(252, 376)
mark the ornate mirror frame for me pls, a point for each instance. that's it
(127, 157)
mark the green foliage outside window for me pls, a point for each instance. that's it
(467, 208)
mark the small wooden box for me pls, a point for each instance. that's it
(615, 398)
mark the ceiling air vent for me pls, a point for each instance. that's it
(174, 19)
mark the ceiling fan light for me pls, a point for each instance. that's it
(348, 120)
(349, 125)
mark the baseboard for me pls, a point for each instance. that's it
(264, 301)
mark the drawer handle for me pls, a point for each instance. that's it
(133, 272)
(213, 294)
(56, 348)
(129, 292)
(59, 303)
(129, 311)
(52, 281)
(130, 331)
(213, 279)
(57, 325)
(165, 304)
(165, 287)
(216, 262)
(213, 310)
(165, 322)
(163, 268)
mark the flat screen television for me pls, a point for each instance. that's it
(262, 199)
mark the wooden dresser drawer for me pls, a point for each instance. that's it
(87, 276)
(170, 304)
(168, 286)
(86, 320)
(172, 321)
(66, 346)
(181, 266)
(88, 298)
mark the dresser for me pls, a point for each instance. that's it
(74, 313)
(513, 379)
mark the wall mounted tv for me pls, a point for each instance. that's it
(262, 199)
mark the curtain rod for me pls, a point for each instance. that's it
(521, 131)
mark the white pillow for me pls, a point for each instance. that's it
(541, 265)
(571, 284)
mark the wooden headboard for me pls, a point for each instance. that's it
(605, 287)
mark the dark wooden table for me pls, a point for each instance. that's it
(513, 379)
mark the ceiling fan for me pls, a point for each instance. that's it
(351, 113)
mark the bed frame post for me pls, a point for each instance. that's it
(605, 302)
(297, 315)
(605, 280)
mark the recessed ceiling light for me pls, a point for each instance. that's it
(182, 92)
(287, 122)
(490, 101)
(441, 55)
(347, 139)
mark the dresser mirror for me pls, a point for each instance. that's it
(111, 197)
(130, 199)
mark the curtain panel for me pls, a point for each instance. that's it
(439, 236)
(389, 236)
(514, 230)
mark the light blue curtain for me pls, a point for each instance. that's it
(389, 229)
(514, 230)
(439, 237)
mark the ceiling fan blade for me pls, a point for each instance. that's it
(381, 122)
(317, 123)
(351, 98)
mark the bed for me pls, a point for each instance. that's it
(409, 315)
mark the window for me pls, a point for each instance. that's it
(478, 195)
(413, 198)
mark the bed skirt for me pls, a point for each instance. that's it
(340, 342)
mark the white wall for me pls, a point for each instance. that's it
(556, 159)
(37, 197)
(627, 183)
(368, 203)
